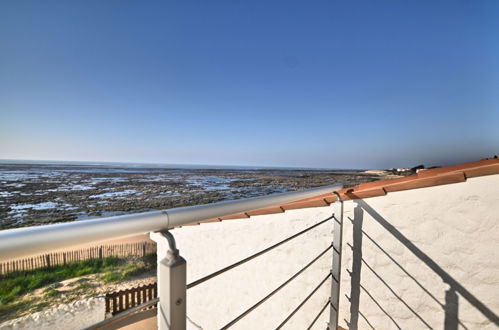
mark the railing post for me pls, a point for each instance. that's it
(336, 269)
(171, 283)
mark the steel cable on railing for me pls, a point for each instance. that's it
(223, 270)
(303, 302)
(246, 312)
(319, 314)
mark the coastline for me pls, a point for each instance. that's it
(37, 194)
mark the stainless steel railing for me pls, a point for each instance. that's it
(23, 242)
(172, 284)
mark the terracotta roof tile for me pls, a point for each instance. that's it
(212, 220)
(194, 223)
(418, 182)
(425, 178)
(267, 210)
(482, 170)
(331, 199)
(303, 204)
(234, 216)
(353, 193)
(459, 167)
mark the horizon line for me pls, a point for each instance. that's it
(171, 165)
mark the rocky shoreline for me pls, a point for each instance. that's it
(41, 194)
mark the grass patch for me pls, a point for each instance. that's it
(39, 306)
(127, 271)
(83, 286)
(16, 284)
(6, 310)
(50, 293)
(110, 277)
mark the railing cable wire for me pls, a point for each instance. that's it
(223, 270)
(319, 314)
(231, 323)
(303, 302)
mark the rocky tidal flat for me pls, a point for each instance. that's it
(34, 194)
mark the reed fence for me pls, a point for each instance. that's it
(119, 301)
(137, 249)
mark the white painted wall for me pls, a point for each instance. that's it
(451, 230)
(77, 315)
(212, 246)
(456, 229)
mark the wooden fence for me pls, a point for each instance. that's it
(61, 258)
(119, 301)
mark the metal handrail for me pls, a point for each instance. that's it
(24, 242)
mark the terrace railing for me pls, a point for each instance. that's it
(172, 286)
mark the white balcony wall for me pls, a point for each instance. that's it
(432, 262)
(436, 234)
(209, 247)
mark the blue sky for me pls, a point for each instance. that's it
(341, 84)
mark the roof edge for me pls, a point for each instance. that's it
(424, 178)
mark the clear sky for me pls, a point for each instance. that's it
(342, 84)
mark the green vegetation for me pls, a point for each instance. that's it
(13, 308)
(14, 285)
(50, 293)
(127, 271)
(18, 283)
(83, 285)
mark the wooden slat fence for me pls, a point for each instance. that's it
(137, 249)
(119, 301)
